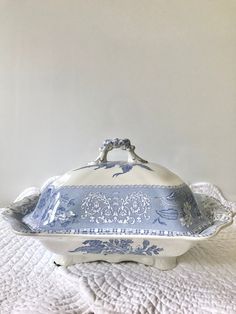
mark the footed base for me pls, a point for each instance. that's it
(165, 263)
(162, 263)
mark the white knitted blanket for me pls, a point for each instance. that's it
(203, 282)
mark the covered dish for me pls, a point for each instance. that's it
(121, 211)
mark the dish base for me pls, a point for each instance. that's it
(160, 262)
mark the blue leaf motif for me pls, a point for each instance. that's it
(116, 246)
(145, 244)
(160, 221)
(170, 213)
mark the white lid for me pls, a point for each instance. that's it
(135, 171)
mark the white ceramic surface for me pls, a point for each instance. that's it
(118, 197)
(169, 248)
(119, 211)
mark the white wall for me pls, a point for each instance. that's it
(73, 73)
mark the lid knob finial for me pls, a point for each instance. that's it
(123, 144)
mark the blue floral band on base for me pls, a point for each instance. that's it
(127, 209)
(116, 246)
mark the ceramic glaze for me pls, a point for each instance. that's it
(120, 173)
(115, 246)
(124, 208)
(131, 196)
(121, 210)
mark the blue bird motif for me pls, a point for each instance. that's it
(124, 166)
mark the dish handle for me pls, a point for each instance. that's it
(25, 202)
(123, 144)
(213, 191)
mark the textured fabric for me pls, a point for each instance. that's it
(203, 282)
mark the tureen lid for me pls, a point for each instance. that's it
(134, 171)
(128, 197)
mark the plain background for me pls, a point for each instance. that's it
(72, 73)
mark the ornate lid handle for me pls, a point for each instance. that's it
(123, 144)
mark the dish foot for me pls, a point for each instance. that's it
(165, 263)
(162, 263)
(63, 260)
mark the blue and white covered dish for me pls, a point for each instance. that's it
(121, 210)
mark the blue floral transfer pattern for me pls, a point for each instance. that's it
(216, 212)
(116, 246)
(170, 210)
(124, 166)
(127, 209)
